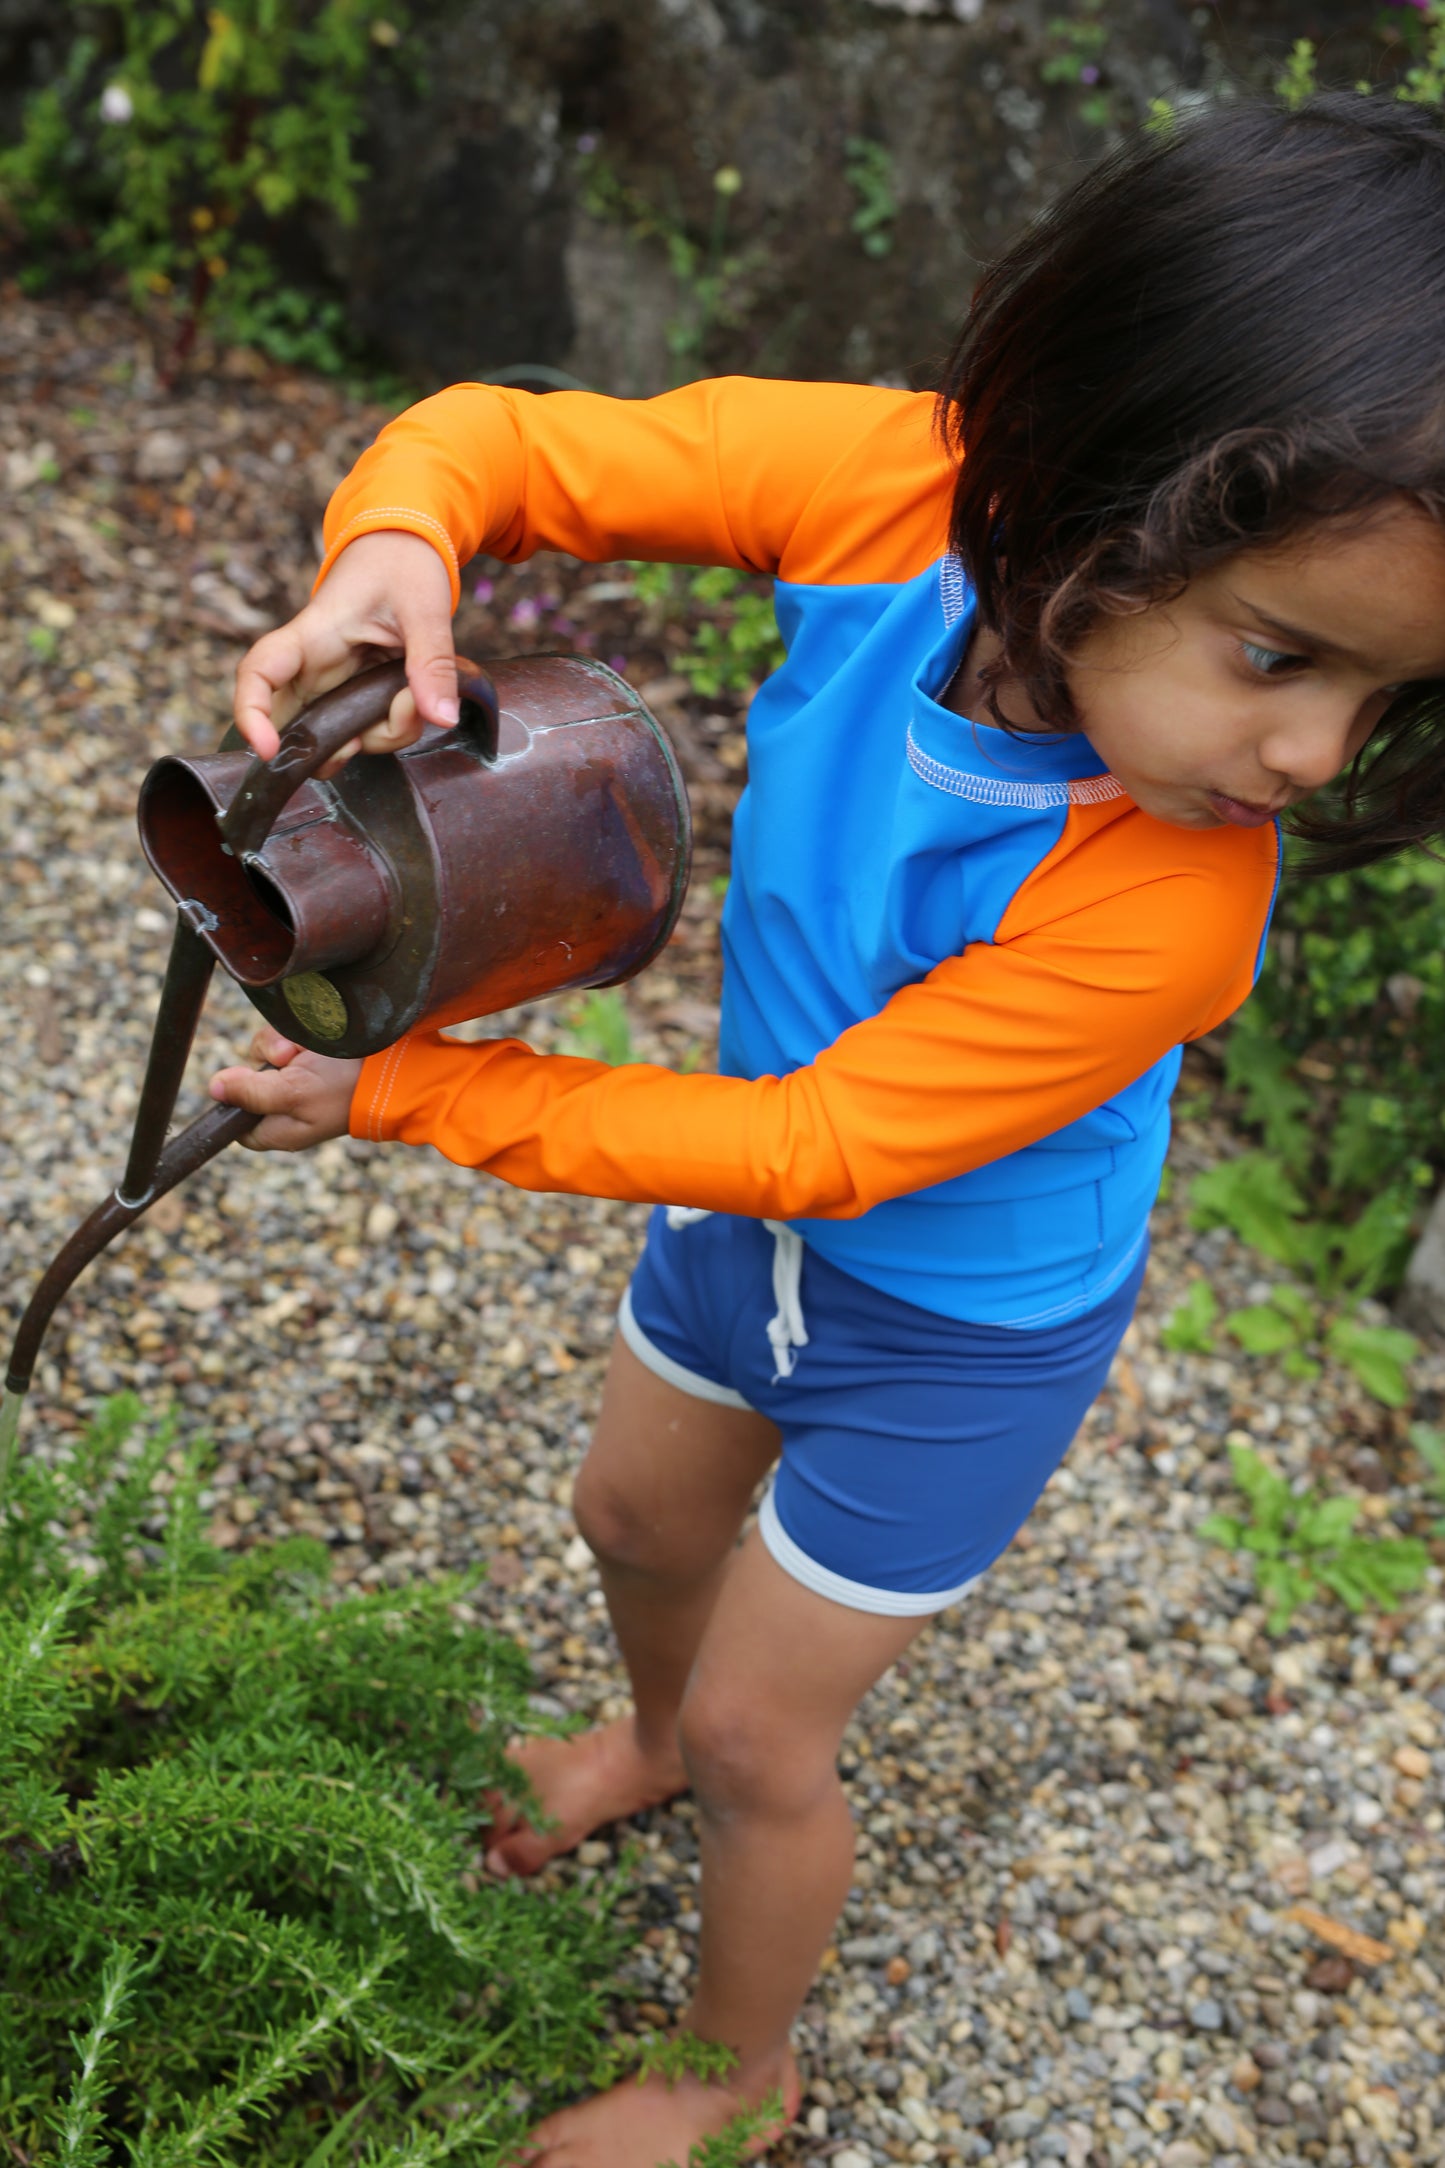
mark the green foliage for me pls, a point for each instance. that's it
(735, 643)
(709, 275)
(1297, 80)
(598, 1029)
(1190, 1328)
(1304, 1544)
(1256, 1196)
(237, 1834)
(175, 135)
(869, 173)
(1077, 46)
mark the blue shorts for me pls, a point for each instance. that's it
(913, 1446)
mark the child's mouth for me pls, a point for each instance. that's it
(1240, 813)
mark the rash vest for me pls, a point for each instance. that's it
(959, 965)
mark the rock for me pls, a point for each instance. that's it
(1420, 1303)
(853, 2156)
(1183, 2153)
(1077, 2006)
(163, 456)
(1206, 2015)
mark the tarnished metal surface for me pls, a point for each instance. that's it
(542, 845)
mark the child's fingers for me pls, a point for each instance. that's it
(267, 1045)
(425, 619)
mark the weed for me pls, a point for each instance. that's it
(709, 275)
(1076, 55)
(1304, 1543)
(597, 1028)
(869, 173)
(735, 641)
(1190, 1328)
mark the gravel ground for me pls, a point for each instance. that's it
(1094, 1796)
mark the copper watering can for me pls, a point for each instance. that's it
(541, 845)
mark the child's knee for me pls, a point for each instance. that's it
(610, 1522)
(743, 1757)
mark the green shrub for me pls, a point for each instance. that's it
(237, 1828)
(176, 135)
(1305, 1544)
(734, 639)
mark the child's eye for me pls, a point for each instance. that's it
(1269, 661)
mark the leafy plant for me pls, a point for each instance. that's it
(1306, 1543)
(709, 275)
(175, 136)
(869, 173)
(598, 1029)
(237, 1834)
(1190, 1328)
(1077, 47)
(734, 644)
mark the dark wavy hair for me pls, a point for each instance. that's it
(1231, 328)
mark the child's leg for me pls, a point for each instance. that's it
(778, 1675)
(660, 1498)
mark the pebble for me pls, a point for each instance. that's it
(1088, 1796)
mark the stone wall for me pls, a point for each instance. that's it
(536, 203)
(543, 193)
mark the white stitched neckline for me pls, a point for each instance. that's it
(1000, 790)
(952, 589)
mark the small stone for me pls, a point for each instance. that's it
(163, 456)
(1078, 2007)
(921, 2116)
(853, 2156)
(1206, 2014)
(1412, 1761)
(1223, 2125)
(1244, 2073)
(924, 1949)
(198, 1296)
(593, 1854)
(381, 1221)
(1183, 2153)
(896, 1971)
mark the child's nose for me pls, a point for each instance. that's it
(1307, 754)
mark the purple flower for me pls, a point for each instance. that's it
(564, 627)
(484, 590)
(587, 144)
(523, 614)
(617, 663)
(1088, 73)
(548, 602)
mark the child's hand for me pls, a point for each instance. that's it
(386, 595)
(305, 1098)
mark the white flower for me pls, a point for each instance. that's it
(116, 104)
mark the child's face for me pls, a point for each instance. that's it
(1266, 676)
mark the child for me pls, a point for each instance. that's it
(1010, 838)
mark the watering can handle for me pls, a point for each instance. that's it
(321, 730)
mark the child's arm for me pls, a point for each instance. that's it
(993, 1050)
(733, 471)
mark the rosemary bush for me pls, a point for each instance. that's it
(237, 1819)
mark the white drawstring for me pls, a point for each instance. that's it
(787, 1331)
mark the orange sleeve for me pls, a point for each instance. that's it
(991, 1051)
(731, 471)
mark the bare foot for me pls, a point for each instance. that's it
(599, 1776)
(642, 2126)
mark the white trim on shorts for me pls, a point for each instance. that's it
(663, 1366)
(856, 1595)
